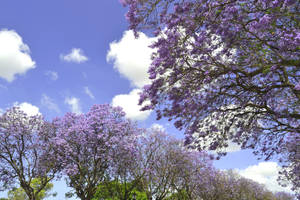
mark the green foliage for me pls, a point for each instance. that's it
(20, 194)
(180, 195)
(115, 190)
(17, 194)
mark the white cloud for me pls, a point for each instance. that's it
(52, 75)
(49, 103)
(76, 55)
(129, 103)
(158, 126)
(73, 102)
(14, 55)
(28, 108)
(265, 173)
(89, 93)
(132, 57)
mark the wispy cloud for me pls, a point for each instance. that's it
(158, 127)
(3, 87)
(52, 75)
(49, 103)
(76, 55)
(73, 102)
(89, 93)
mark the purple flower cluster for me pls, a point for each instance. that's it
(87, 145)
(233, 62)
(24, 151)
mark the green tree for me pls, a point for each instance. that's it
(114, 190)
(20, 194)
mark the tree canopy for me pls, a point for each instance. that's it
(103, 155)
(86, 145)
(166, 170)
(24, 152)
(226, 71)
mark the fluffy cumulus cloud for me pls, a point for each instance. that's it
(14, 55)
(74, 104)
(52, 75)
(131, 57)
(265, 173)
(129, 103)
(88, 92)
(28, 108)
(76, 55)
(49, 103)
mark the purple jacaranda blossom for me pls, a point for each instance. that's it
(167, 167)
(297, 87)
(25, 153)
(219, 55)
(88, 145)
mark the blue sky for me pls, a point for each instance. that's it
(66, 55)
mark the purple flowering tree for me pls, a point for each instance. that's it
(235, 187)
(154, 166)
(165, 165)
(167, 170)
(87, 145)
(195, 177)
(121, 180)
(227, 185)
(284, 196)
(235, 60)
(291, 162)
(25, 153)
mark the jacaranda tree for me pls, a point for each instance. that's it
(87, 144)
(283, 196)
(121, 182)
(24, 151)
(167, 167)
(236, 60)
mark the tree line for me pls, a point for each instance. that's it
(103, 155)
